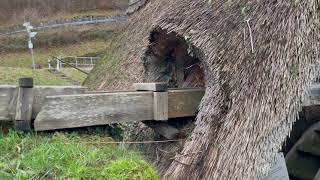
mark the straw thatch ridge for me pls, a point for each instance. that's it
(258, 58)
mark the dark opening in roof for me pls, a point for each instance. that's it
(173, 59)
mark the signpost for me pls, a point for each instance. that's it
(30, 36)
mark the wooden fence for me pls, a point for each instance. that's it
(50, 107)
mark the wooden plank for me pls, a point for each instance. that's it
(184, 102)
(60, 112)
(13, 104)
(41, 92)
(163, 129)
(8, 95)
(160, 106)
(24, 105)
(158, 87)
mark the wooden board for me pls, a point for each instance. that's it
(41, 92)
(8, 96)
(24, 104)
(160, 106)
(184, 102)
(158, 87)
(94, 109)
(23, 114)
(60, 112)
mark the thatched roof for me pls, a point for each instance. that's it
(258, 58)
(135, 5)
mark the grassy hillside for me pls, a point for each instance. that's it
(17, 11)
(74, 74)
(68, 156)
(23, 58)
(10, 76)
(57, 38)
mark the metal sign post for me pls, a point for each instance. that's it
(30, 45)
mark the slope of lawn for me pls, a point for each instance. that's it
(74, 74)
(9, 76)
(68, 156)
(23, 59)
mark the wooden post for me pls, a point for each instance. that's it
(160, 109)
(160, 98)
(58, 65)
(160, 106)
(76, 59)
(24, 105)
(91, 61)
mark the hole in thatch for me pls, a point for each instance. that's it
(173, 59)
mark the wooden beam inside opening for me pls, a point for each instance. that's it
(184, 102)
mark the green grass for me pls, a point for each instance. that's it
(68, 156)
(10, 76)
(74, 74)
(65, 15)
(23, 58)
(56, 38)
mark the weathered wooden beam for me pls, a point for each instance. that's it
(160, 109)
(184, 102)
(164, 129)
(60, 112)
(160, 106)
(156, 87)
(41, 92)
(8, 96)
(24, 104)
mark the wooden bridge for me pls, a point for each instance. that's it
(53, 108)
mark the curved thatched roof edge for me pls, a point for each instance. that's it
(252, 96)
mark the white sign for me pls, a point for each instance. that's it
(32, 34)
(30, 45)
(279, 171)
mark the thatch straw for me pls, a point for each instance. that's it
(255, 83)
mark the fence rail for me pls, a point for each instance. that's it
(73, 61)
(72, 22)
